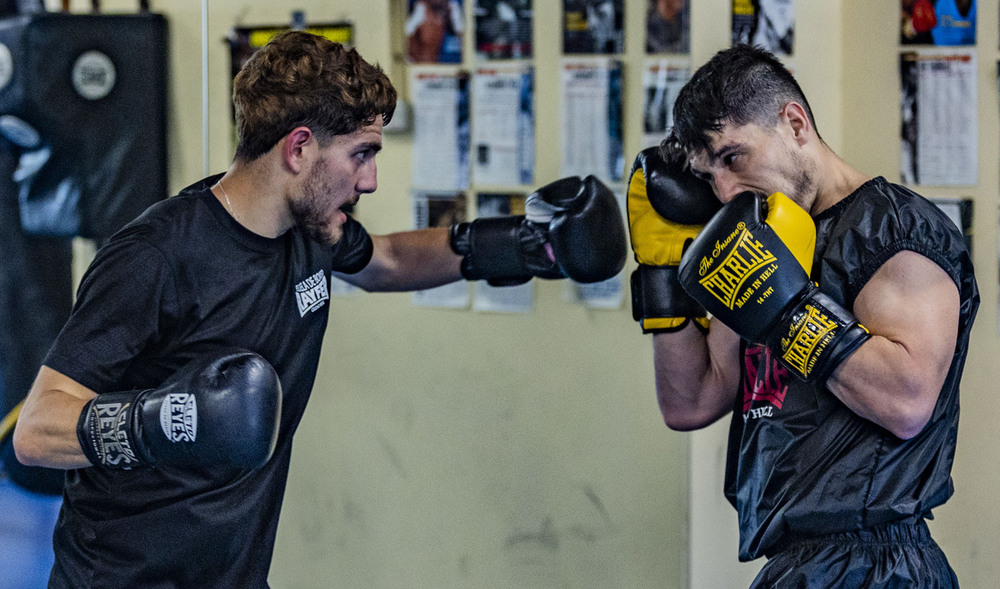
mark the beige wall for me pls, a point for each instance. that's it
(966, 527)
(461, 449)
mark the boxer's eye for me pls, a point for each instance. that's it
(703, 176)
(365, 155)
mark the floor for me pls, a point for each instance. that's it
(26, 522)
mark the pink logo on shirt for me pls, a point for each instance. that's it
(767, 385)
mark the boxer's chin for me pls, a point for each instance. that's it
(325, 229)
(327, 234)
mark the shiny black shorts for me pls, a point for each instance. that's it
(891, 556)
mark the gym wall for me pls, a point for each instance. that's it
(448, 448)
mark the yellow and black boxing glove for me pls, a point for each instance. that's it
(750, 267)
(667, 207)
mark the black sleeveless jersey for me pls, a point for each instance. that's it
(800, 462)
(182, 279)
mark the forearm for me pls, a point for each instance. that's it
(46, 429)
(889, 385)
(696, 375)
(409, 260)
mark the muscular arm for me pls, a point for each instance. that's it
(696, 375)
(911, 308)
(408, 260)
(46, 429)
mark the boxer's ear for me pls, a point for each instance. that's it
(796, 117)
(295, 147)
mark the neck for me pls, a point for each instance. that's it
(229, 202)
(840, 180)
(252, 196)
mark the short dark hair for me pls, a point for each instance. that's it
(301, 79)
(739, 85)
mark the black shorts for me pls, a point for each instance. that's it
(895, 555)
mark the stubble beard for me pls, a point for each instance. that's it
(311, 211)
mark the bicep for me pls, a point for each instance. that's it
(408, 260)
(911, 308)
(127, 300)
(375, 274)
(50, 381)
(913, 303)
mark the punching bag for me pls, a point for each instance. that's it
(35, 300)
(83, 97)
(82, 152)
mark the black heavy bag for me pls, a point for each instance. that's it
(36, 296)
(83, 96)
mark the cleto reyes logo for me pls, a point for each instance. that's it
(764, 387)
(179, 417)
(112, 419)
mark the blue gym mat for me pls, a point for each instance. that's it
(26, 523)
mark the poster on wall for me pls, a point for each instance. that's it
(243, 41)
(937, 22)
(440, 209)
(938, 126)
(668, 26)
(503, 130)
(434, 31)
(593, 26)
(591, 119)
(662, 80)
(959, 211)
(503, 29)
(767, 23)
(501, 299)
(440, 128)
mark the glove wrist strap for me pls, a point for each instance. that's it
(816, 336)
(659, 302)
(491, 250)
(105, 431)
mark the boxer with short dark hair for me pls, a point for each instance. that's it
(173, 391)
(841, 306)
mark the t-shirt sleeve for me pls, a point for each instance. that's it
(124, 301)
(869, 234)
(924, 230)
(354, 249)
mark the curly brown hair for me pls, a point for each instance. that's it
(300, 79)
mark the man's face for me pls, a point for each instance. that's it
(343, 172)
(755, 158)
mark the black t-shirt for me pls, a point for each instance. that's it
(800, 462)
(182, 279)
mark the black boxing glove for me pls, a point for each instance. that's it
(572, 228)
(218, 410)
(354, 249)
(667, 207)
(750, 268)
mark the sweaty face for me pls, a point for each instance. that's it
(755, 158)
(342, 172)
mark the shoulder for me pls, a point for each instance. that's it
(165, 232)
(880, 219)
(893, 204)
(173, 219)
